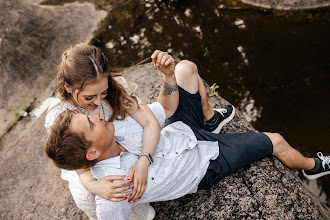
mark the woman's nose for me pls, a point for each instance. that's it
(98, 100)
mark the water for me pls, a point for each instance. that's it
(272, 65)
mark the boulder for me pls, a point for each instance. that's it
(32, 39)
(266, 189)
(289, 4)
(31, 187)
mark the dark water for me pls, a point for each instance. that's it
(274, 66)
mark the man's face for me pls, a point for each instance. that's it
(97, 130)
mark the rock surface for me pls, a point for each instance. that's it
(265, 190)
(289, 4)
(32, 38)
(30, 186)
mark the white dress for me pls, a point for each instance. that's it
(82, 197)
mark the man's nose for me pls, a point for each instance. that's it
(94, 117)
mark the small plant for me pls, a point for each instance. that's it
(213, 88)
(16, 113)
(10, 126)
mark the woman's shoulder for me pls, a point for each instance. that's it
(54, 110)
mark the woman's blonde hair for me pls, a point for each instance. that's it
(83, 64)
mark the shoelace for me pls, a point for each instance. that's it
(222, 111)
(325, 160)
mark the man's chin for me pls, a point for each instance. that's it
(110, 126)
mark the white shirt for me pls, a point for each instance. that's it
(180, 162)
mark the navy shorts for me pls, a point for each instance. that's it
(235, 150)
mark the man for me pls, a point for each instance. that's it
(187, 157)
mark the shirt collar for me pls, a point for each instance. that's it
(112, 161)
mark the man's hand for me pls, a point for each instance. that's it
(139, 175)
(163, 62)
(112, 191)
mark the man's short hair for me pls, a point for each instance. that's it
(65, 147)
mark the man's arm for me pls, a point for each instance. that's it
(169, 93)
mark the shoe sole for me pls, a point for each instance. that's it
(218, 129)
(151, 213)
(315, 176)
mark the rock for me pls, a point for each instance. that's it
(264, 190)
(31, 187)
(32, 39)
(288, 4)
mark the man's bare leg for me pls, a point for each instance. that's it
(288, 155)
(186, 73)
(187, 77)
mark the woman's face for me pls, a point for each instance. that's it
(91, 96)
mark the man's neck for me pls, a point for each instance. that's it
(114, 150)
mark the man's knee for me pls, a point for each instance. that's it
(186, 69)
(186, 75)
(278, 142)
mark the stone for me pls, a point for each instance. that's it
(289, 4)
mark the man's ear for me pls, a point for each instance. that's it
(67, 87)
(92, 154)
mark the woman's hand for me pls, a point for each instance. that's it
(105, 187)
(163, 62)
(139, 175)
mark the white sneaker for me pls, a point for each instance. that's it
(142, 212)
(151, 213)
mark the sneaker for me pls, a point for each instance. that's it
(324, 167)
(142, 211)
(220, 118)
(151, 213)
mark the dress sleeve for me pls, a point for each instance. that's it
(54, 110)
(122, 81)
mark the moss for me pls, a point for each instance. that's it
(18, 115)
(9, 127)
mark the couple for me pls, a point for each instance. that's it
(187, 156)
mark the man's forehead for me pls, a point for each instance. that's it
(79, 123)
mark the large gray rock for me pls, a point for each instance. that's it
(289, 4)
(32, 38)
(265, 190)
(31, 187)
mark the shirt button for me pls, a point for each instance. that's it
(152, 178)
(163, 155)
(176, 152)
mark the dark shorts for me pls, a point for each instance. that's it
(235, 150)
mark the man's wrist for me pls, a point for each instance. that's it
(170, 77)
